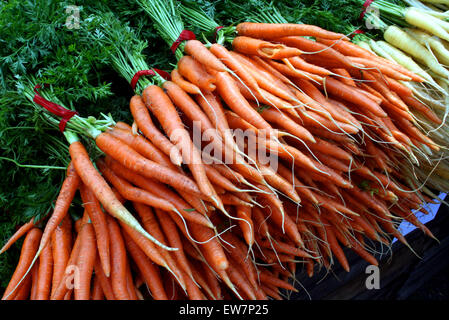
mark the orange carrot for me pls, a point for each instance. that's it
(253, 46)
(29, 249)
(143, 119)
(195, 72)
(98, 218)
(86, 261)
(272, 31)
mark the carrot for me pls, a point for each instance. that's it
(98, 218)
(143, 146)
(44, 274)
(136, 162)
(253, 46)
(129, 192)
(241, 282)
(29, 249)
(212, 106)
(146, 246)
(143, 119)
(92, 179)
(345, 92)
(335, 247)
(316, 49)
(97, 291)
(105, 282)
(292, 72)
(34, 279)
(230, 93)
(272, 31)
(169, 228)
(379, 68)
(426, 111)
(357, 248)
(161, 106)
(264, 79)
(279, 183)
(234, 64)
(281, 119)
(86, 261)
(244, 212)
(187, 86)
(329, 110)
(301, 64)
(61, 243)
(132, 293)
(152, 226)
(268, 278)
(345, 77)
(198, 50)
(195, 72)
(161, 190)
(65, 197)
(118, 261)
(350, 49)
(64, 288)
(24, 292)
(23, 230)
(210, 247)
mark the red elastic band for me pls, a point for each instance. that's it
(216, 32)
(184, 35)
(358, 31)
(54, 108)
(140, 73)
(365, 7)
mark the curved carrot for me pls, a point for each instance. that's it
(199, 51)
(98, 218)
(187, 86)
(194, 71)
(23, 230)
(160, 189)
(143, 119)
(130, 158)
(92, 178)
(230, 93)
(129, 192)
(65, 197)
(29, 249)
(161, 106)
(143, 146)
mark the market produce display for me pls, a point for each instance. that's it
(227, 158)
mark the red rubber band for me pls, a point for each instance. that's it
(140, 73)
(358, 31)
(365, 7)
(54, 108)
(184, 35)
(216, 32)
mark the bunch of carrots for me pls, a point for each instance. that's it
(165, 219)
